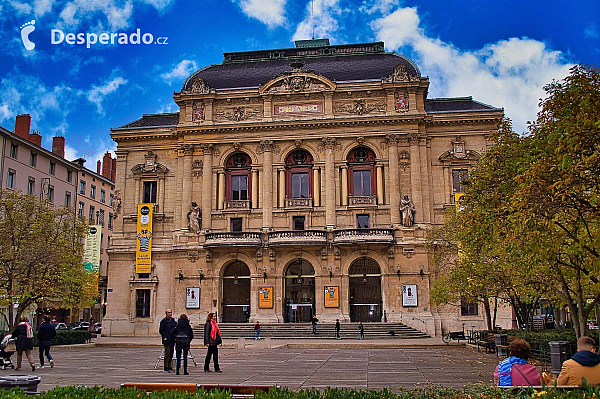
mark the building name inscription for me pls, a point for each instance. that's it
(299, 109)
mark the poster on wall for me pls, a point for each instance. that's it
(192, 297)
(265, 297)
(332, 297)
(143, 252)
(409, 295)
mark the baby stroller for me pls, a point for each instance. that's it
(7, 348)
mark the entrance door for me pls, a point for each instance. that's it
(236, 293)
(365, 290)
(299, 304)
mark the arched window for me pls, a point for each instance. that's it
(361, 165)
(298, 175)
(238, 183)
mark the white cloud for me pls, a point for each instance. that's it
(70, 153)
(42, 7)
(269, 12)
(508, 73)
(381, 6)
(4, 112)
(321, 19)
(591, 31)
(101, 147)
(180, 71)
(97, 94)
(21, 8)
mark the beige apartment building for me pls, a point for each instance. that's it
(293, 182)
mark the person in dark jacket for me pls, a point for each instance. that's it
(46, 332)
(337, 329)
(314, 321)
(24, 335)
(182, 334)
(167, 324)
(212, 338)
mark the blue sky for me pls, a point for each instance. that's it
(500, 53)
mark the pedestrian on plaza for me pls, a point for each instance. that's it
(46, 332)
(314, 321)
(167, 324)
(212, 338)
(257, 330)
(514, 370)
(337, 329)
(24, 335)
(182, 334)
(361, 331)
(585, 363)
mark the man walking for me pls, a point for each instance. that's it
(361, 331)
(46, 332)
(167, 324)
(257, 331)
(337, 329)
(314, 321)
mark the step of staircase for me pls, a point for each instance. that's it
(324, 330)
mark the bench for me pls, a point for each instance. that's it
(488, 342)
(166, 386)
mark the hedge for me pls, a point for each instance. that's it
(65, 337)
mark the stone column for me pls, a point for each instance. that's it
(281, 174)
(207, 150)
(425, 180)
(186, 194)
(415, 176)
(266, 146)
(344, 185)
(380, 199)
(316, 186)
(161, 193)
(138, 200)
(221, 190)
(254, 188)
(392, 142)
(179, 189)
(329, 144)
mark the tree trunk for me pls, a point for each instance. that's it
(488, 314)
(495, 311)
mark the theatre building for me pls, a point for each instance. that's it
(291, 182)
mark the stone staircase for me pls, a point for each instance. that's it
(325, 330)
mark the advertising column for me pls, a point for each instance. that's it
(143, 252)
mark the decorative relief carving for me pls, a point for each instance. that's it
(296, 82)
(238, 101)
(238, 114)
(404, 154)
(413, 138)
(359, 107)
(236, 146)
(298, 143)
(197, 166)
(401, 102)
(360, 140)
(198, 111)
(266, 146)
(207, 148)
(359, 94)
(194, 218)
(198, 86)
(149, 166)
(329, 143)
(391, 139)
(400, 74)
(188, 149)
(404, 165)
(117, 203)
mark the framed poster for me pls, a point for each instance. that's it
(409, 295)
(192, 298)
(265, 297)
(143, 248)
(332, 297)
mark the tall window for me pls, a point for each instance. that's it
(52, 168)
(10, 181)
(14, 151)
(93, 192)
(142, 303)
(80, 209)
(150, 192)
(298, 174)
(31, 186)
(236, 224)
(67, 199)
(362, 221)
(110, 221)
(51, 194)
(91, 215)
(102, 196)
(468, 308)
(458, 176)
(82, 187)
(298, 222)
(69, 175)
(361, 165)
(111, 198)
(33, 159)
(101, 218)
(237, 170)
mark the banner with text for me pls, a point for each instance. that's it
(143, 253)
(91, 249)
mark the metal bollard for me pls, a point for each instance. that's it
(558, 354)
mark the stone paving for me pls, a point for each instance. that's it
(374, 368)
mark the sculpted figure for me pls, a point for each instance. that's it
(408, 211)
(195, 218)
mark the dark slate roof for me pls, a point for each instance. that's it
(457, 104)
(337, 63)
(152, 120)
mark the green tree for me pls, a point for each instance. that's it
(40, 256)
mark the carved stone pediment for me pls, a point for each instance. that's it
(197, 86)
(297, 81)
(467, 155)
(400, 74)
(150, 166)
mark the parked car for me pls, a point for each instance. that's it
(79, 325)
(592, 325)
(61, 326)
(98, 328)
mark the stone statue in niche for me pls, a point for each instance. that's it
(408, 211)
(195, 218)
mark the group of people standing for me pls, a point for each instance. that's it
(178, 335)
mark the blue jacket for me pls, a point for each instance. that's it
(46, 332)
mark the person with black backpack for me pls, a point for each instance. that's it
(182, 335)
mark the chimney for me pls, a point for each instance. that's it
(23, 126)
(79, 161)
(58, 146)
(106, 165)
(113, 172)
(35, 138)
(98, 167)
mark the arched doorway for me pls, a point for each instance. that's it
(299, 303)
(365, 290)
(236, 293)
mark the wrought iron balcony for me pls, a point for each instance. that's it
(298, 237)
(298, 202)
(242, 204)
(363, 236)
(370, 200)
(234, 238)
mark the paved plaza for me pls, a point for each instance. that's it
(361, 368)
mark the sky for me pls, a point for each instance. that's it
(499, 52)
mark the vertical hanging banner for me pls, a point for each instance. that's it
(143, 252)
(91, 249)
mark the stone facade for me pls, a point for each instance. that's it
(299, 179)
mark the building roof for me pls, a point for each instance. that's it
(352, 62)
(154, 120)
(456, 104)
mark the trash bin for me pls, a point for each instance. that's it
(501, 344)
(559, 352)
(27, 383)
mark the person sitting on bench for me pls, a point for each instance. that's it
(584, 364)
(514, 370)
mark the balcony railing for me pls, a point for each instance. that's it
(362, 201)
(298, 237)
(238, 239)
(242, 204)
(298, 202)
(364, 236)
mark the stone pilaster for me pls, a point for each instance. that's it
(207, 150)
(267, 147)
(379, 176)
(344, 185)
(329, 144)
(254, 188)
(316, 186)
(415, 175)
(188, 151)
(392, 143)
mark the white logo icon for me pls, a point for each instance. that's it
(26, 29)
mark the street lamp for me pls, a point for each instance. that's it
(200, 274)
(422, 271)
(398, 271)
(180, 275)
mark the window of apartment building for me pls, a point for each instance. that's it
(80, 209)
(362, 221)
(111, 198)
(33, 159)
(11, 180)
(31, 186)
(101, 217)
(150, 192)
(468, 308)
(236, 224)
(142, 303)
(361, 165)
(102, 196)
(52, 169)
(237, 169)
(14, 151)
(93, 192)
(298, 170)
(67, 199)
(82, 187)
(69, 175)
(91, 214)
(458, 176)
(110, 221)
(101, 239)
(298, 222)
(50, 194)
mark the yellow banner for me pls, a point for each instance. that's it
(143, 248)
(332, 297)
(458, 197)
(265, 297)
(91, 249)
